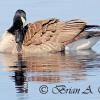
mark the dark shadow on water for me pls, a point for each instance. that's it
(19, 75)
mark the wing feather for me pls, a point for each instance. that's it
(53, 30)
(36, 30)
(68, 30)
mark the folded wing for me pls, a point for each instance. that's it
(52, 30)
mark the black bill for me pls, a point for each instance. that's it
(19, 47)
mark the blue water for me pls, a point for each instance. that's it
(22, 76)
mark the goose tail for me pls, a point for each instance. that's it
(92, 27)
(91, 34)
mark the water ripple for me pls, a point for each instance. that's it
(51, 68)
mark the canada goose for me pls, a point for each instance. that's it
(50, 35)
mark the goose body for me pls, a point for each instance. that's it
(82, 44)
(50, 35)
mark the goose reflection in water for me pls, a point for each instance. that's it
(51, 68)
(19, 75)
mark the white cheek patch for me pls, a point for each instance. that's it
(24, 21)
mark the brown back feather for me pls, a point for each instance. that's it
(53, 30)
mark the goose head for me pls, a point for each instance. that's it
(18, 24)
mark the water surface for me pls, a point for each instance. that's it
(22, 76)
